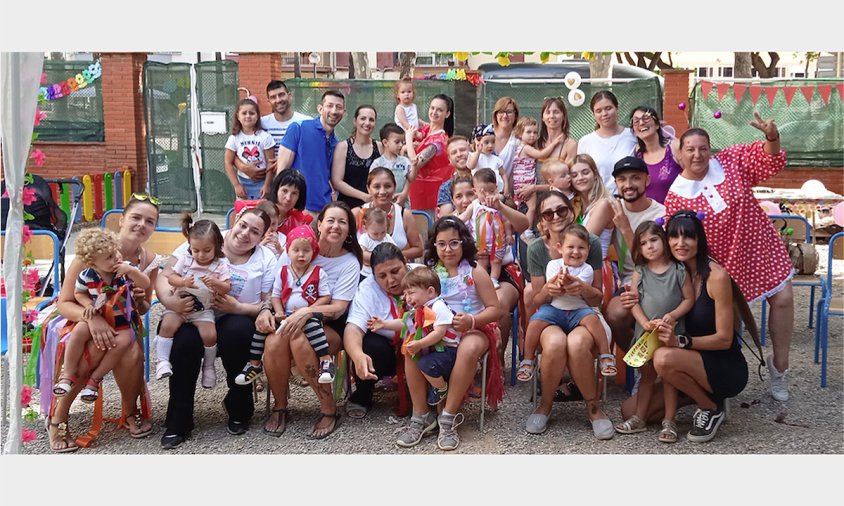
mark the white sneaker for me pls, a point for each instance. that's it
(163, 369)
(779, 381)
(209, 376)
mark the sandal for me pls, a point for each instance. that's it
(632, 425)
(322, 433)
(526, 369)
(668, 434)
(607, 361)
(137, 423)
(64, 386)
(91, 390)
(281, 423)
(62, 436)
(259, 384)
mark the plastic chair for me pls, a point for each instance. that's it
(830, 304)
(535, 381)
(801, 228)
(424, 223)
(229, 218)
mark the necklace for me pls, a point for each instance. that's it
(298, 277)
(464, 280)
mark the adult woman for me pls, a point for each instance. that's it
(381, 185)
(340, 257)
(505, 114)
(596, 208)
(430, 156)
(575, 351)
(739, 232)
(555, 122)
(288, 193)
(657, 150)
(352, 159)
(374, 353)
(468, 291)
(707, 364)
(610, 142)
(136, 225)
(251, 267)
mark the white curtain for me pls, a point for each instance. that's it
(20, 78)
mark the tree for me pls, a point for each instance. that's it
(360, 66)
(764, 71)
(647, 60)
(407, 64)
(297, 65)
(742, 65)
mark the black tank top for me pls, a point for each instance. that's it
(357, 170)
(700, 321)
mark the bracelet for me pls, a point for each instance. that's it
(268, 305)
(473, 322)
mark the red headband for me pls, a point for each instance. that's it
(303, 232)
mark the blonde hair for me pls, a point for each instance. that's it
(374, 215)
(524, 122)
(545, 169)
(599, 190)
(94, 242)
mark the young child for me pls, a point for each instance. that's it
(483, 158)
(101, 288)
(297, 286)
(249, 152)
(201, 270)
(406, 114)
(567, 311)
(375, 226)
(665, 295)
(392, 138)
(524, 164)
(273, 239)
(430, 339)
(491, 232)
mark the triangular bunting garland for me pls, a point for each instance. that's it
(705, 86)
(808, 91)
(789, 92)
(771, 92)
(755, 93)
(738, 91)
(840, 87)
(723, 88)
(825, 90)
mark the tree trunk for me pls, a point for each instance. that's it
(741, 65)
(407, 64)
(599, 66)
(297, 65)
(360, 64)
(765, 71)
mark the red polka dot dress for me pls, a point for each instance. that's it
(740, 235)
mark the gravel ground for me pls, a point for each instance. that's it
(809, 423)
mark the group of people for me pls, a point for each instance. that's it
(625, 233)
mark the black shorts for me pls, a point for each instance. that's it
(339, 325)
(726, 371)
(505, 277)
(438, 364)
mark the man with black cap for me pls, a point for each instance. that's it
(633, 208)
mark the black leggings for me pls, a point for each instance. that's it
(234, 334)
(383, 354)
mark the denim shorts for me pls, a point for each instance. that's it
(566, 319)
(438, 364)
(251, 187)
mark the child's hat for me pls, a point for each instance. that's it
(306, 232)
(482, 130)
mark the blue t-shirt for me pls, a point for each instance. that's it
(314, 152)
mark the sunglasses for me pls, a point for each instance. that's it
(143, 196)
(561, 211)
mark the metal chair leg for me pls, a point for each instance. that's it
(764, 318)
(485, 359)
(811, 304)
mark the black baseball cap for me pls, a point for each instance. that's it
(629, 163)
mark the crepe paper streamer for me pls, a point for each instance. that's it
(642, 350)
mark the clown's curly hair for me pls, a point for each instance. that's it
(93, 243)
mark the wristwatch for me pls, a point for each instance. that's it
(685, 341)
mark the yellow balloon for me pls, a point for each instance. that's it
(461, 56)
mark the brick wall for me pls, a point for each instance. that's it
(255, 70)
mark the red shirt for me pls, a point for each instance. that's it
(424, 189)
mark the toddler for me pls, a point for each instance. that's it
(375, 233)
(483, 157)
(393, 138)
(524, 164)
(406, 114)
(491, 232)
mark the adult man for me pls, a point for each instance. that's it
(631, 178)
(283, 115)
(458, 155)
(309, 148)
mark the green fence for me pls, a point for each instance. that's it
(812, 130)
(75, 117)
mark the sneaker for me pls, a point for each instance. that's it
(435, 395)
(705, 424)
(448, 439)
(170, 441)
(163, 369)
(209, 376)
(419, 426)
(236, 428)
(248, 374)
(779, 381)
(327, 370)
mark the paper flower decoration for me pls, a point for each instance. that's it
(39, 116)
(461, 56)
(27, 234)
(26, 395)
(28, 195)
(38, 157)
(576, 97)
(28, 435)
(503, 60)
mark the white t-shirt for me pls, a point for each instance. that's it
(486, 161)
(296, 301)
(343, 273)
(654, 211)
(186, 266)
(250, 279)
(508, 154)
(607, 151)
(370, 300)
(444, 316)
(412, 115)
(584, 272)
(250, 148)
(278, 128)
(368, 243)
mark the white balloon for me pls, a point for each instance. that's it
(576, 97)
(572, 80)
(814, 187)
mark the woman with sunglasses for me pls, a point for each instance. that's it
(136, 226)
(657, 150)
(251, 266)
(575, 351)
(610, 142)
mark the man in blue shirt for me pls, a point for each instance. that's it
(309, 147)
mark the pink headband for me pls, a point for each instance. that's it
(306, 232)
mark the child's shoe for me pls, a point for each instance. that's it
(435, 395)
(209, 375)
(91, 391)
(248, 374)
(327, 370)
(163, 369)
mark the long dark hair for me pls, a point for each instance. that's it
(448, 124)
(236, 126)
(357, 113)
(648, 227)
(289, 177)
(650, 111)
(541, 197)
(685, 223)
(601, 95)
(470, 250)
(543, 130)
(350, 243)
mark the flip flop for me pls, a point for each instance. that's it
(336, 422)
(283, 414)
(138, 423)
(355, 410)
(61, 435)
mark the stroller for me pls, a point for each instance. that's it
(47, 215)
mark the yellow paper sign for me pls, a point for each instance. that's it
(643, 349)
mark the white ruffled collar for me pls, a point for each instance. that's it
(689, 188)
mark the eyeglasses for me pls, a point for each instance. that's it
(508, 112)
(143, 196)
(641, 120)
(452, 244)
(561, 211)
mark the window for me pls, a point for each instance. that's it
(725, 71)
(74, 117)
(705, 72)
(434, 59)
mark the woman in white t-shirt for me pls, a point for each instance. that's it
(610, 142)
(251, 266)
(249, 152)
(340, 257)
